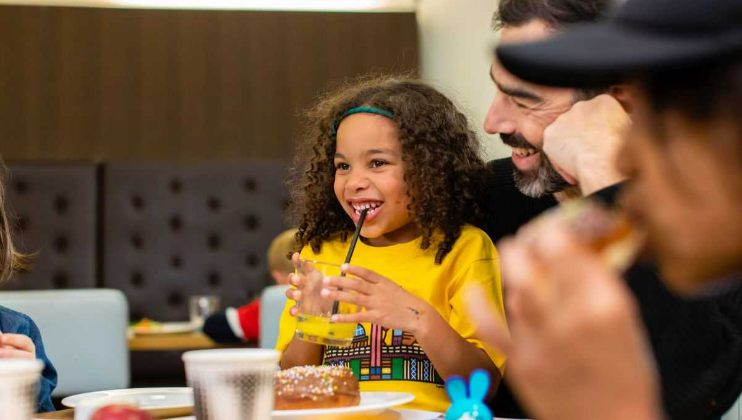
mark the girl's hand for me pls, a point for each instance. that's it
(305, 291)
(294, 280)
(16, 346)
(386, 303)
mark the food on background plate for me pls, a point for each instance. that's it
(121, 412)
(145, 324)
(310, 387)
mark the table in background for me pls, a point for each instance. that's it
(156, 358)
(184, 341)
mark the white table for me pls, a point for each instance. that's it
(398, 414)
(417, 414)
(402, 415)
(426, 415)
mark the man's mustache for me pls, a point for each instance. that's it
(517, 140)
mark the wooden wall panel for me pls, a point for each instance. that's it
(79, 83)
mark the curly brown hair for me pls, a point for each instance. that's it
(440, 151)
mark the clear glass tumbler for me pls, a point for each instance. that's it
(313, 320)
(200, 307)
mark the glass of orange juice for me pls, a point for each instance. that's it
(314, 311)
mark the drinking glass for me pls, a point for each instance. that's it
(200, 307)
(314, 311)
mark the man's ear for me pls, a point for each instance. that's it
(622, 93)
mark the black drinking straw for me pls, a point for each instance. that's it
(356, 235)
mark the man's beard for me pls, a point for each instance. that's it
(538, 182)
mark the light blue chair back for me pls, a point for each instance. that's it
(84, 333)
(272, 301)
(735, 413)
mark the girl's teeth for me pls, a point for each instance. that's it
(371, 211)
(371, 207)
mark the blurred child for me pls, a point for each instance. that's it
(403, 151)
(243, 324)
(19, 336)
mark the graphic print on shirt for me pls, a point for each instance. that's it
(384, 355)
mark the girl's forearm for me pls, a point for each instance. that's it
(450, 353)
(301, 353)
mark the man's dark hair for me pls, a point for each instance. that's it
(556, 13)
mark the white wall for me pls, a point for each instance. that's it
(456, 43)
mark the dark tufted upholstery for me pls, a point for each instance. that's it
(172, 231)
(56, 209)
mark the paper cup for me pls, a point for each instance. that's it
(232, 384)
(19, 381)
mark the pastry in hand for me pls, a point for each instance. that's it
(605, 230)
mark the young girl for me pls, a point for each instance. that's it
(402, 150)
(19, 336)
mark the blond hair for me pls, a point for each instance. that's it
(281, 246)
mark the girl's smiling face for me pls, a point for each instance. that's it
(369, 173)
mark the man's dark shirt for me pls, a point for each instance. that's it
(697, 343)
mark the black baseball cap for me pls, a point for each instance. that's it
(640, 35)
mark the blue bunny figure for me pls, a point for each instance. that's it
(469, 406)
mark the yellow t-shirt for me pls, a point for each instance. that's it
(385, 360)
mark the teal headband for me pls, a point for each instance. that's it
(359, 110)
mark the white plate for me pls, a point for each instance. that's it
(371, 403)
(165, 328)
(149, 398)
(159, 399)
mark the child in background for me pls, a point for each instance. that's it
(402, 150)
(243, 324)
(19, 336)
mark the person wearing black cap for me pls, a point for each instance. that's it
(580, 129)
(577, 348)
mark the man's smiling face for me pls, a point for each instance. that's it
(521, 111)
